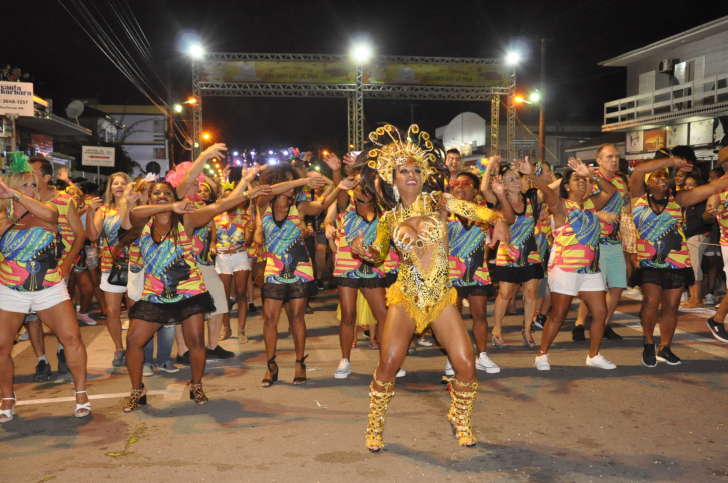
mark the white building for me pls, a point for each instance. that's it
(677, 92)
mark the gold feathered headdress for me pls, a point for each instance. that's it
(393, 151)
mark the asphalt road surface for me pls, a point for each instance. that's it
(574, 423)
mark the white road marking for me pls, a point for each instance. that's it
(28, 402)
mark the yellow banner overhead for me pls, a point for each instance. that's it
(273, 72)
(465, 75)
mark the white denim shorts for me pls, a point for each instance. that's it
(107, 287)
(215, 287)
(570, 283)
(229, 263)
(27, 302)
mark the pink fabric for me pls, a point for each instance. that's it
(175, 176)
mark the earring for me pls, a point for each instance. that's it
(396, 193)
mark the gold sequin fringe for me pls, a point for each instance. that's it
(395, 296)
(460, 412)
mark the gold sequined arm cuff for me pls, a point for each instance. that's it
(380, 246)
(471, 211)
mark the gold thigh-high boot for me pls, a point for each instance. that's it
(460, 411)
(377, 408)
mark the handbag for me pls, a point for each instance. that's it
(119, 274)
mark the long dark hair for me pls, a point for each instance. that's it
(277, 174)
(565, 181)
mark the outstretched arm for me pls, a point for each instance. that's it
(637, 181)
(216, 150)
(700, 193)
(46, 212)
(316, 207)
(139, 215)
(203, 215)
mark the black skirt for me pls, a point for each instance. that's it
(375, 282)
(667, 278)
(476, 291)
(516, 274)
(288, 291)
(172, 313)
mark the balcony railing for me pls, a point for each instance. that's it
(698, 96)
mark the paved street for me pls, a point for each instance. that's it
(573, 423)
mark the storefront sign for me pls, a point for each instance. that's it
(16, 98)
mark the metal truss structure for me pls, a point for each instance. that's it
(356, 92)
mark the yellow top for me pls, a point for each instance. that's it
(423, 284)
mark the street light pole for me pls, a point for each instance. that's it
(541, 122)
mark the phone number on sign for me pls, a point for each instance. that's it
(15, 101)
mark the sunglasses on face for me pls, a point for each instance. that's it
(464, 184)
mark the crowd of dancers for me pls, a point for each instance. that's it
(413, 237)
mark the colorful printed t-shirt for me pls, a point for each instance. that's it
(201, 239)
(609, 234)
(62, 201)
(347, 264)
(28, 260)
(110, 226)
(287, 259)
(171, 273)
(230, 230)
(523, 248)
(467, 253)
(576, 243)
(661, 242)
(722, 217)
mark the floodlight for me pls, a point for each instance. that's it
(361, 53)
(512, 58)
(196, 51)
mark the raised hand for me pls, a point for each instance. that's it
(493, 166)
(682, 164)
(348, 183)
(226, 173)
(5, 191)
(580, 168)
(132, 198)
(523, 167)
(62, 174)
(250, 173)
(496, 186)
(217, 150)
(95, 204)
(349, 159)
(332, 161)
(260, 190)
(307, 156)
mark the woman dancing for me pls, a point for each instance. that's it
(288, 273)
(31, 280)
(423, 294)
(174, 290)
(664, 268)
(104, 220)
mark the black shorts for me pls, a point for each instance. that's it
(667, 278)
(288, 291)
(516, 274)
(173, 313)
(476, 291)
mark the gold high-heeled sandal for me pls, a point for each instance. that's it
(197, 393)
(377, 409)
(460, 412)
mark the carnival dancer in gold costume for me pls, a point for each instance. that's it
(423, 295)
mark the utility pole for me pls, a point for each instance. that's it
(541, 122)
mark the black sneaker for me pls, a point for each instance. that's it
(648, 355)
(540, 321)
(222, 353)
(42, 371)
(184, 358)
(610, 334)
(577, 335)
(666, 355)
(211, 355)
(251, 308)
(320, 284)
(718, 330)
(62, 366)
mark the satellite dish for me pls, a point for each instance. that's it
(154, 167)
(74, 109)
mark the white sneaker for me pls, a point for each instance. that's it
(85, 319)
(684, 297)
(23, 336)
(542, 363)
(125, 324)
(599, 361)
(401, 373)
(344, 369)
(148, 370)
(709, 299)
(484, 363)
(466, 303)
(424, 342)
(449, 371)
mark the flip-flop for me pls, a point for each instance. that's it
(373, 346)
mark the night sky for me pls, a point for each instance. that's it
(42, 38)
